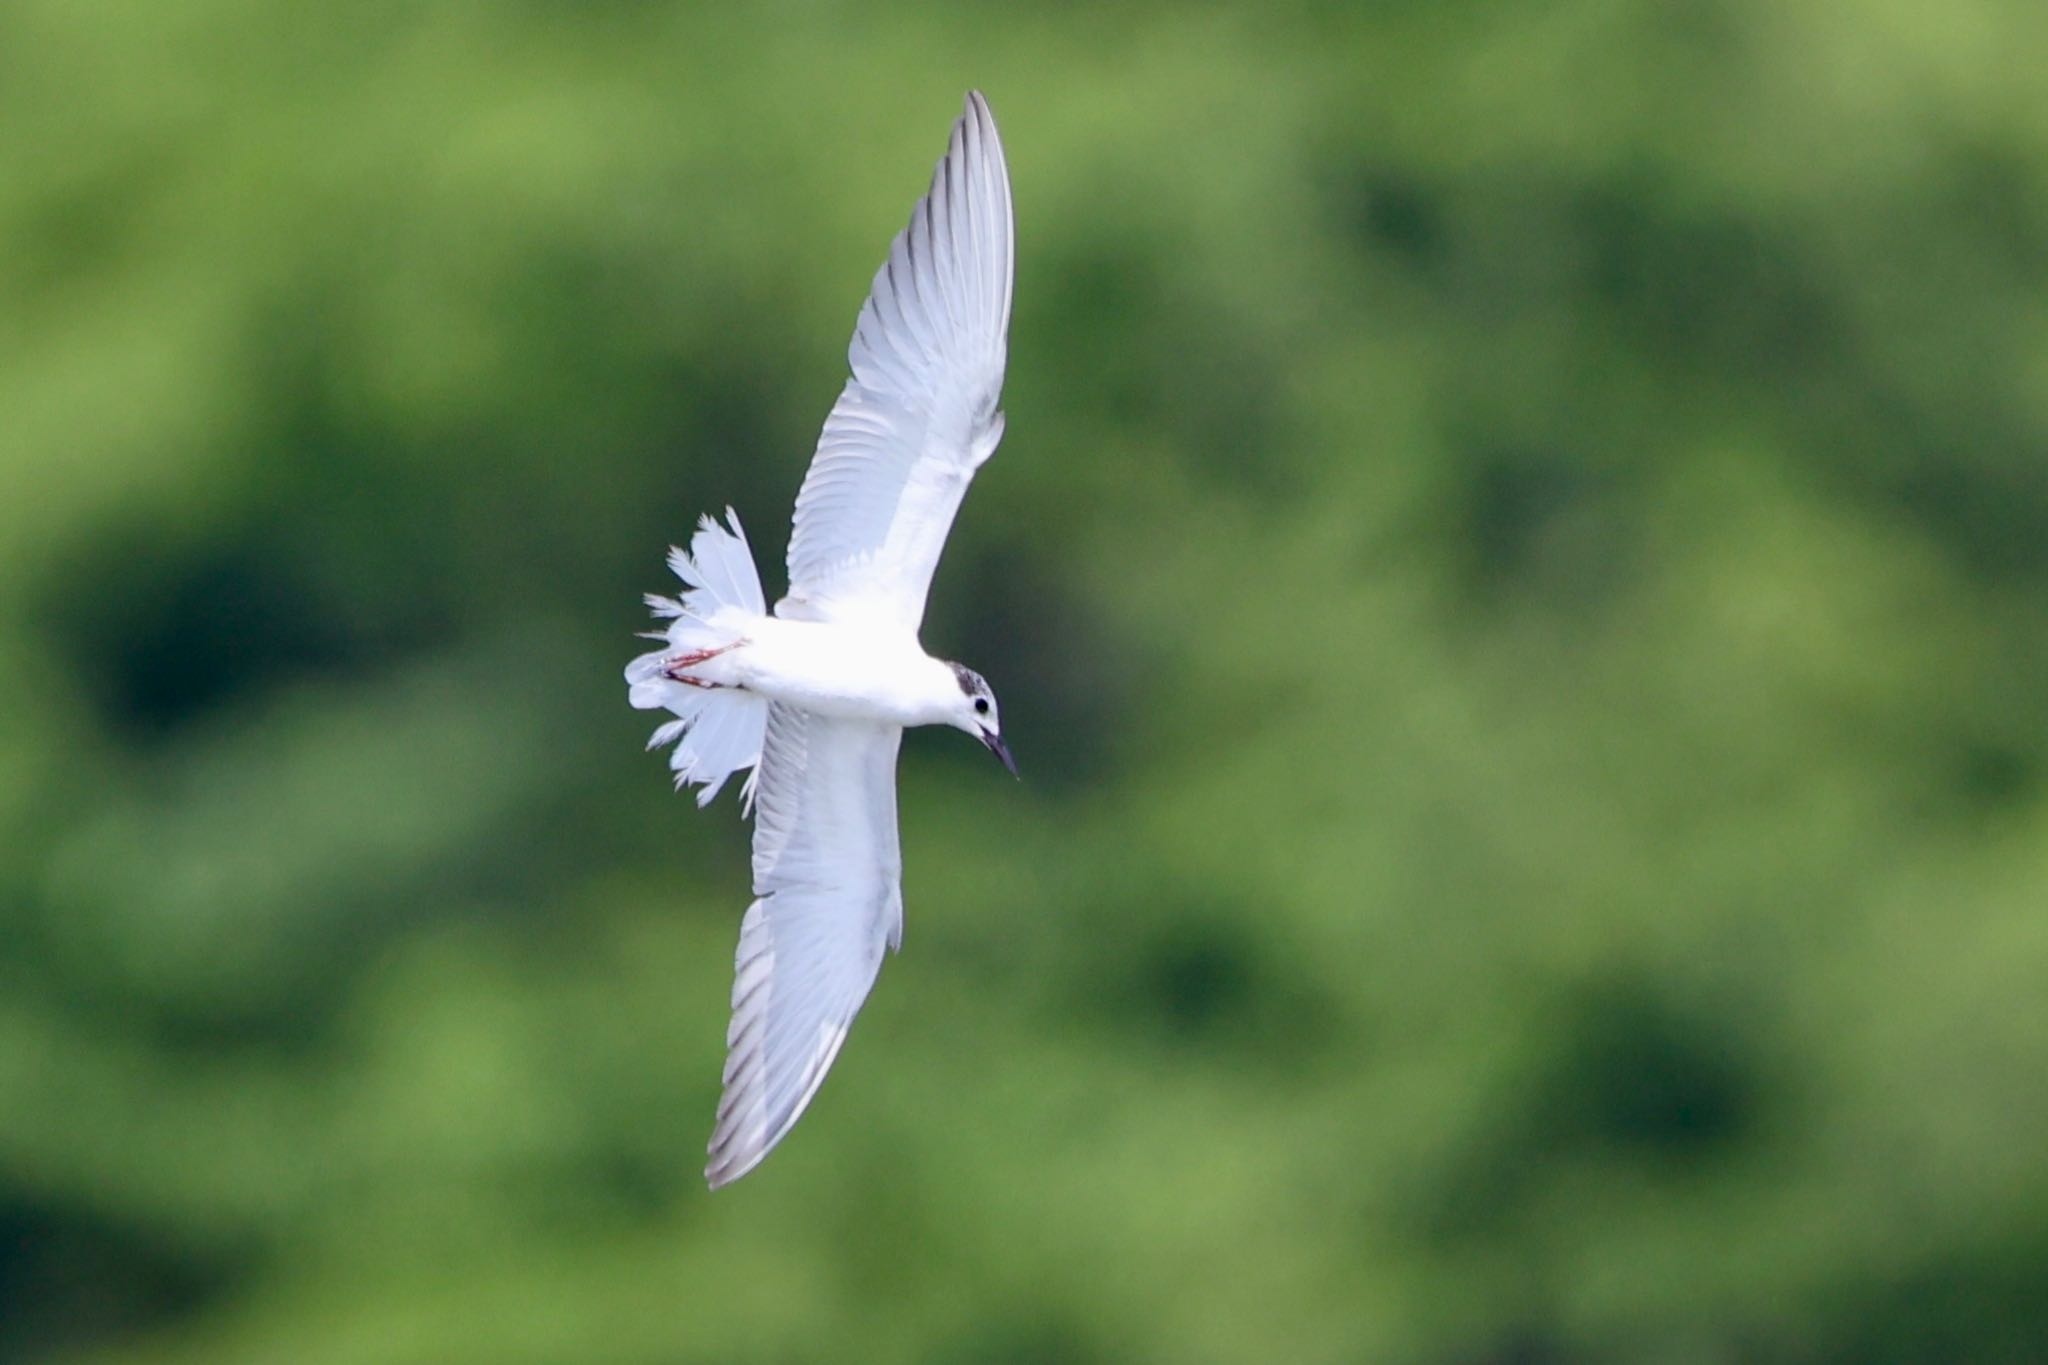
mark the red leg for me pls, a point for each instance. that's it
(673, 669)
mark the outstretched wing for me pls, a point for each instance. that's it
(828, 900)
(919, 415)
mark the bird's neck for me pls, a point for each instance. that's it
(936, 687)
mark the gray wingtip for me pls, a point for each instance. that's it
(743, 1135)
(720, 1173)
(976, 111)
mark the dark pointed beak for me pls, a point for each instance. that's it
(994, 744)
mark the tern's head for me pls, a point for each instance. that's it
(975, 712)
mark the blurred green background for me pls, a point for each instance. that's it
(1518, 579)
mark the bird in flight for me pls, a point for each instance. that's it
(814, 695)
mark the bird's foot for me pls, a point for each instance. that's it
(673, 670)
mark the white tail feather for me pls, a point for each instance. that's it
(717, 730)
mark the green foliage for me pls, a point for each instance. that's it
(1515, 578)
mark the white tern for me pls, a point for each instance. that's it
(814, 695)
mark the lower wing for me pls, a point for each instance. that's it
(828, 902)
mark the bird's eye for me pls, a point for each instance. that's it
(981, 706)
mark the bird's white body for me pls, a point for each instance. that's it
(855, 671)
(814, 696)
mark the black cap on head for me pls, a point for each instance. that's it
(971, 683)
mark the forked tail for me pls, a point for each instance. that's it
(718, 729)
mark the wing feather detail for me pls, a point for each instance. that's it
(920, 413)
(828, 902)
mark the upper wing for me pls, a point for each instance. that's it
(828, 899)
(919, 415)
